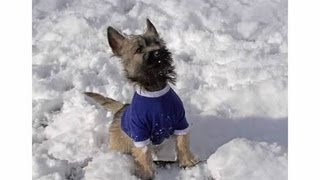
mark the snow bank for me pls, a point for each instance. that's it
(101, 169)
(47, 167)
(242, 159)
(78, 131)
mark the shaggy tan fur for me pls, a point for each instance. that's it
(132, 54)
(119, 140)
(185, 157)
(144, 165)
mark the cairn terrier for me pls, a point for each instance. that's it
(156, 112)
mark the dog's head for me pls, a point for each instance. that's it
(146, 60)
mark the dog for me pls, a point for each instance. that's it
(156, 112)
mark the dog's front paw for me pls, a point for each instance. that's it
(145, 174)
(188, 161)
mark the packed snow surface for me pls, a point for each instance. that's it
(231, 61)
(242, 159)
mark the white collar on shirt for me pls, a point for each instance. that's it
(153, 94)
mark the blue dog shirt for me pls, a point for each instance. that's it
(154, 116)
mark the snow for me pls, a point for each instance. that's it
(247, 160)
(101, 169)
(231, 61)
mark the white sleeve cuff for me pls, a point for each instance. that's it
(181, 132)
(140, 144)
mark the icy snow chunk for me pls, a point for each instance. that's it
(53, 176)
(247, 28)
(51, 36)
(109, 166)
(42, 165)
(242, 159)
(71, 26)
(47, 167)
(50, 5)
(276, 38)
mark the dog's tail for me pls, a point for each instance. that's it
(108, 103)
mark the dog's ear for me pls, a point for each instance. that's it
(151, 29)
(115, 40)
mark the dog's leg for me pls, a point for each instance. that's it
(118, 140)
(144, 164)
(185, 157)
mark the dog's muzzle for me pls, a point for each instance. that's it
(157, 56)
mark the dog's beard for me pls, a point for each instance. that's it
(159, 67)
(156, 71)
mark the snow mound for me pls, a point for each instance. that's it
(242, 159)
(100, 168)
(47, 167)
(79, 131)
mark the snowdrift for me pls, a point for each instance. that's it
(242, 159)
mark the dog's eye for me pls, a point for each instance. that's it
(139, 50)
